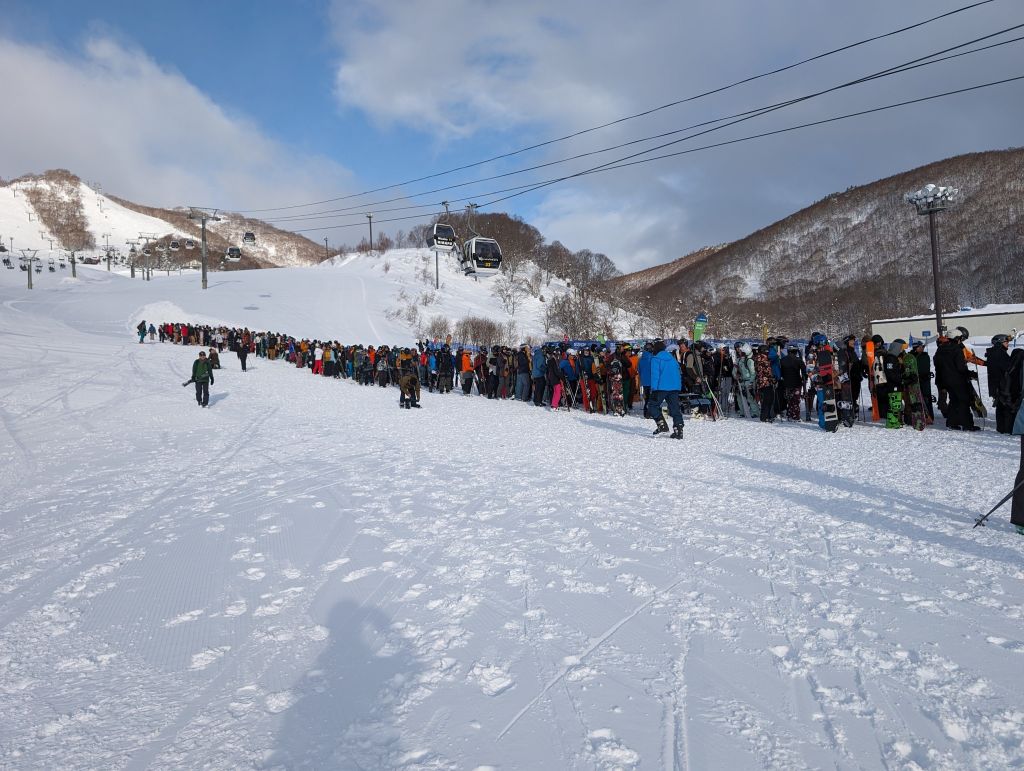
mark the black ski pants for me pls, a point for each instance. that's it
(203, 392)
(539, 385)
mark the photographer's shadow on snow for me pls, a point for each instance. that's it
(218, 397)
(344, 716)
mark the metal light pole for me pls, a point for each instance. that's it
(203, 215)
(930, 200)
(327, 253)
(74, 271)
(29, 260)
(370, 218)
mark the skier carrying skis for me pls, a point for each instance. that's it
(202, 376)
(666, 382)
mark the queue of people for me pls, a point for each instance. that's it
(770, 381)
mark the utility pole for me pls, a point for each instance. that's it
(74, 270)
(370, 218)
(204, 216)
(29, 260)
(327, 253)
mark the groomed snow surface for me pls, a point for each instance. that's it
(304, 576)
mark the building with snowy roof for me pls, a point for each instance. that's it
(980, 322)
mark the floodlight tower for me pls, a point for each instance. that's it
(204, 216)
(930, 200)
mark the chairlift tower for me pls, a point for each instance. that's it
(29, 260)
(147, 266)
(132, 243)
(204, 216)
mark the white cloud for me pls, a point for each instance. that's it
(486, 74)
(113, 115)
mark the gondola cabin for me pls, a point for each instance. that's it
(249, 239)
(232, 254)
(175, 246)
(190, 244)
(442, 239)
(481, 256)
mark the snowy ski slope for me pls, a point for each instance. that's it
(304, 576)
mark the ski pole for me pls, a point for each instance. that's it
(981, 520)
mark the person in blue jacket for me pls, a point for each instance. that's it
(570, 376)
(666, 382)
(644, 367)
(538, 372)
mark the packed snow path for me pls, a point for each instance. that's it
(304, 576)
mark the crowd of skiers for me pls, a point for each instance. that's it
(773, 380)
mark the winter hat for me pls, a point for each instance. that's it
(658, 346)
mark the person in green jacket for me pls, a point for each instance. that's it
(202, 376)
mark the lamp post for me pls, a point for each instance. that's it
(370, 218)
(930, 200)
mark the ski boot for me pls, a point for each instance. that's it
(1020, 529)
(662, 427)
(677, 432)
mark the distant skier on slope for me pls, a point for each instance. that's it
(202, 376)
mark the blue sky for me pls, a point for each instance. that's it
(250, 105)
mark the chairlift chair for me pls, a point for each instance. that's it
(52, 266)
(39, 268)
(147, 252)
(2, 248)
(442, 238)
(232, 254)
(8, 264)
(249, 239)
(481, 256)
(175, 246)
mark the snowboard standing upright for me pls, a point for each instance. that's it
(869, 348)
(913, 398)
(615, 387)
(828, 415)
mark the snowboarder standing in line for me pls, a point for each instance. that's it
(202, 376)
(666, 383)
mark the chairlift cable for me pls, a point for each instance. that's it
(643, 113)
(733, 119)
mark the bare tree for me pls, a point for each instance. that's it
(511, 293)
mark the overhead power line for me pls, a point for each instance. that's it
(650, 111)
(921, 61)
(622, 163)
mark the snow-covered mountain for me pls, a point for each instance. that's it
(58, 211)
(856, 255)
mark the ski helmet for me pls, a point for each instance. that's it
(1000, 338)
(964, 334)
